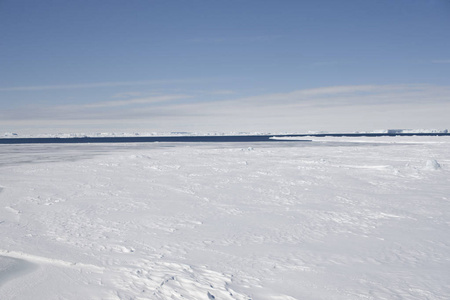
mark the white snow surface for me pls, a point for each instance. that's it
(328, 219)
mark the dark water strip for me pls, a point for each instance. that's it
(197, 139)
(142, 139)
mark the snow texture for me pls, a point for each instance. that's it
(336, 218)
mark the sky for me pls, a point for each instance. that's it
(223, 65)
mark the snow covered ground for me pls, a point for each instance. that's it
(336, 218)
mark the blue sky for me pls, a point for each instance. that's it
(226, 66)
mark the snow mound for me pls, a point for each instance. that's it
(432, 164)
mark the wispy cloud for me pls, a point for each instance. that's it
(359, 107)
(107, 84)
(219, 92)
(127, 95)
(441, 61)
(350, 95)
(330, 63)
(235, 39)
(145, 100)
(76, 86)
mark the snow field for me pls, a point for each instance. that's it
(330, 219)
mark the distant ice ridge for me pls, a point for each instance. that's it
(187, 133)
(9, 135)
(394, 131)
(127, 134)
(417, 131)
(390, 131)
